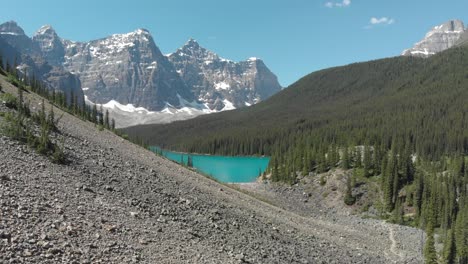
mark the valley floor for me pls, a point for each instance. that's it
(119, 203)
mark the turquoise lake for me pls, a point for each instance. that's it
(227, 169)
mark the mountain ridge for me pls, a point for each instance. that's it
(128, 71)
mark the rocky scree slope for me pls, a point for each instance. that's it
(118, 203)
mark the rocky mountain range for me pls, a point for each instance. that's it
(439, 38)
(26, 53)
(128, 75)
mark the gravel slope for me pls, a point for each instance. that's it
(118, 203)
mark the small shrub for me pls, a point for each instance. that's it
(58, 156)
(13, 126)
(12, 79)
(9, 100)
(349, 199)
(323, 180)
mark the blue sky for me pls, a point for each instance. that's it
(293, 37)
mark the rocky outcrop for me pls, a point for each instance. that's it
(440, 38)
(222, 83)
(50, 45)
(14, 35)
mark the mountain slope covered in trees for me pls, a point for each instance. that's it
(374, 102)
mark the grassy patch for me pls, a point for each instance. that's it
(9, 100)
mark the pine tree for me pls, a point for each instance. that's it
(398, 212)
(94, 116)
(113, 124)
(461, 236)
(449, 251)
(20, 100)
(349, 199)
(43, 144)
(8, 67)
(358, 158)
(430, 254)
(101, 117)
(106, 120)
(367, 161)
(14, 71)
(345, 160)
(51, 119)
(387, 182)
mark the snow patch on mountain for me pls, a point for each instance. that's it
(222, 86)
(126, 115)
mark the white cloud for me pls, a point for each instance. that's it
(344, 3)
(382, 20)
(376, 21)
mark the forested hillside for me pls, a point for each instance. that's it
(403, 120)
(377, 102)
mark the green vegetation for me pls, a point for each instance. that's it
(70, 104)
(401, 120)
(18, 126)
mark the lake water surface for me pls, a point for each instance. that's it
(227, 169)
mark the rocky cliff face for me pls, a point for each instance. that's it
(221, 83)
(50, 45)
(438, 39)
(127, 68)
(40, 57)
(14, 35)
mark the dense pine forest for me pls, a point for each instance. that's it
(402, 120)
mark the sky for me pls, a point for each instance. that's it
(292, 37)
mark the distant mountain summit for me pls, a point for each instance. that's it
(11, 28)
(50, 45)
(221, 83)
(438, 39)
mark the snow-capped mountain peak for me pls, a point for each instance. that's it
(217, 81)
(46, 30)
(193, 51)
(253, 59)
(438, 39)
(11, 28)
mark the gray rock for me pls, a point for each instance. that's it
(218, 82)
(438, 39)
(128, 68)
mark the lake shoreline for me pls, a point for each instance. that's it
(225, 169)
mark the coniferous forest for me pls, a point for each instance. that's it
(403, 120)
